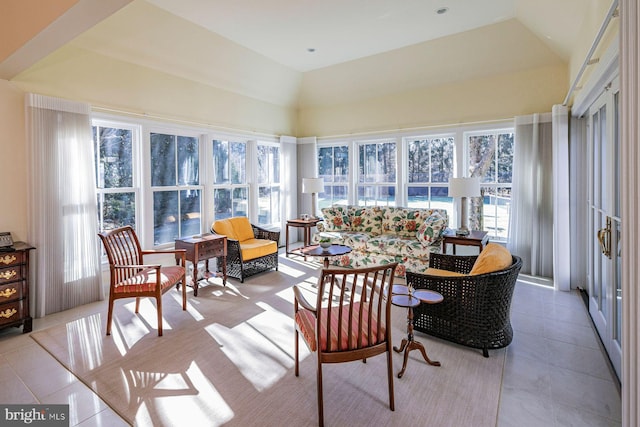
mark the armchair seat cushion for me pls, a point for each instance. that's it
(306, 322)
(442, 273)
(256, 248)
(145, 281)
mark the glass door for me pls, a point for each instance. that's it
(605, 292)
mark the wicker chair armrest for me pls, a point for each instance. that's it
(261, 233)
(300, 299)
(458, 263)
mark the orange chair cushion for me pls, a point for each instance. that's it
(237, 228)
(442, 273)
(306, 325)
(256, 248)
(145, 281)
(493, 258)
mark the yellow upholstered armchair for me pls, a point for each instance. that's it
(250, 249)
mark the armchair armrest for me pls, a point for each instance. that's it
(300, 299)
(261, 233)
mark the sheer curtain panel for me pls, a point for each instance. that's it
(62, 204)
(531, 223)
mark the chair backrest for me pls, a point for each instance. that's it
(123, 248)
(237, 228)
(359, 309)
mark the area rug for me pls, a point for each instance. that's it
(228, 360)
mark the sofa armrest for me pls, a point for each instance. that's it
(261, 233)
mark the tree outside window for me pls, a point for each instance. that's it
(429, 167)
(230, 190)
(268, 184)
(333, 165)
(376, 173)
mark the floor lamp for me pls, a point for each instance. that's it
(464, 188)
(313, 186)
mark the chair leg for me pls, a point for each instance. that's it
(159, 305)
(319, 385)
(295, 353)
(184, 293)
(392, 405)
(109, 315)
(485, 351)
(137, 304)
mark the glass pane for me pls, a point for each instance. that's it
(268, 205)
(370, 195)
(240, 202)
(387, 161)
(325, 163)
(222, 203)
(118, 210)
(237, 162)
(220, 162)
(505, 158)
(482, 157)
(115, 158)
(418, 197)
(188, 161)
(263, 164)
(165, 216)
(418, 154)
(441, 159)
(341, 163)
(190, 209)
(163, 160)
(604, 197)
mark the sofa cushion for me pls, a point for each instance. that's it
(366, 219)
(431, 229)
(336, 218)
(398, 246)
(494, 257)
(403, 222)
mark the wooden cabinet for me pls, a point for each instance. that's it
(14, 287)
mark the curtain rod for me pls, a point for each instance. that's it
(594, 45)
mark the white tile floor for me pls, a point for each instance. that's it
(555, 372)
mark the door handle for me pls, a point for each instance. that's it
(604, 238)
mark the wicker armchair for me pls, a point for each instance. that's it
(250, 249)
(476, 308)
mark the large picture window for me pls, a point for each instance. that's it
(175, 184)
(429, 167)
(490, 157)
(376, 173)
(333, 164)
(115, 176)
(230, 190)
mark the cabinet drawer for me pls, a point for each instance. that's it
(11, 312)
(12, 291)
(11, 274)
(211, 249)
(11, 258)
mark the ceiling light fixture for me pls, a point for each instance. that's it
(442, 10)
(311, 49)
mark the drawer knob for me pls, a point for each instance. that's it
(8, 274)
(8, 292)
(8, 313)
(8, 259)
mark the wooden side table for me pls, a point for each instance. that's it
(475, 238)
(307, 224)
(203, 248)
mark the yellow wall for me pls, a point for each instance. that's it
(484, 99)
(13, 162)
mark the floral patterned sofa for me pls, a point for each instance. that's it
(380, 235)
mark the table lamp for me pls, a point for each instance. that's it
(464, 188)
(313, 186)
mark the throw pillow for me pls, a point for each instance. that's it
(431, 229)
(494, 257)
(336, 218)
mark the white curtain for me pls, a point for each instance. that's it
(531, 223)
(289, 180)
(62, 204)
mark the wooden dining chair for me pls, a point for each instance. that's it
(350, 320)
(131, 278)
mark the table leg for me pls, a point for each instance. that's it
(409, 344)
(195, 278)
(286, 240)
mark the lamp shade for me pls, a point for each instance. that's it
(312, 185)
(464, 187)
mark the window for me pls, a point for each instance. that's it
(429, 167)
(268, 184)
(175, 186)
(230, 192)
(115, 175)
(490, 157)
(376, 173)
(333, 164)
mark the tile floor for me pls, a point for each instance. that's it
(555, 372)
